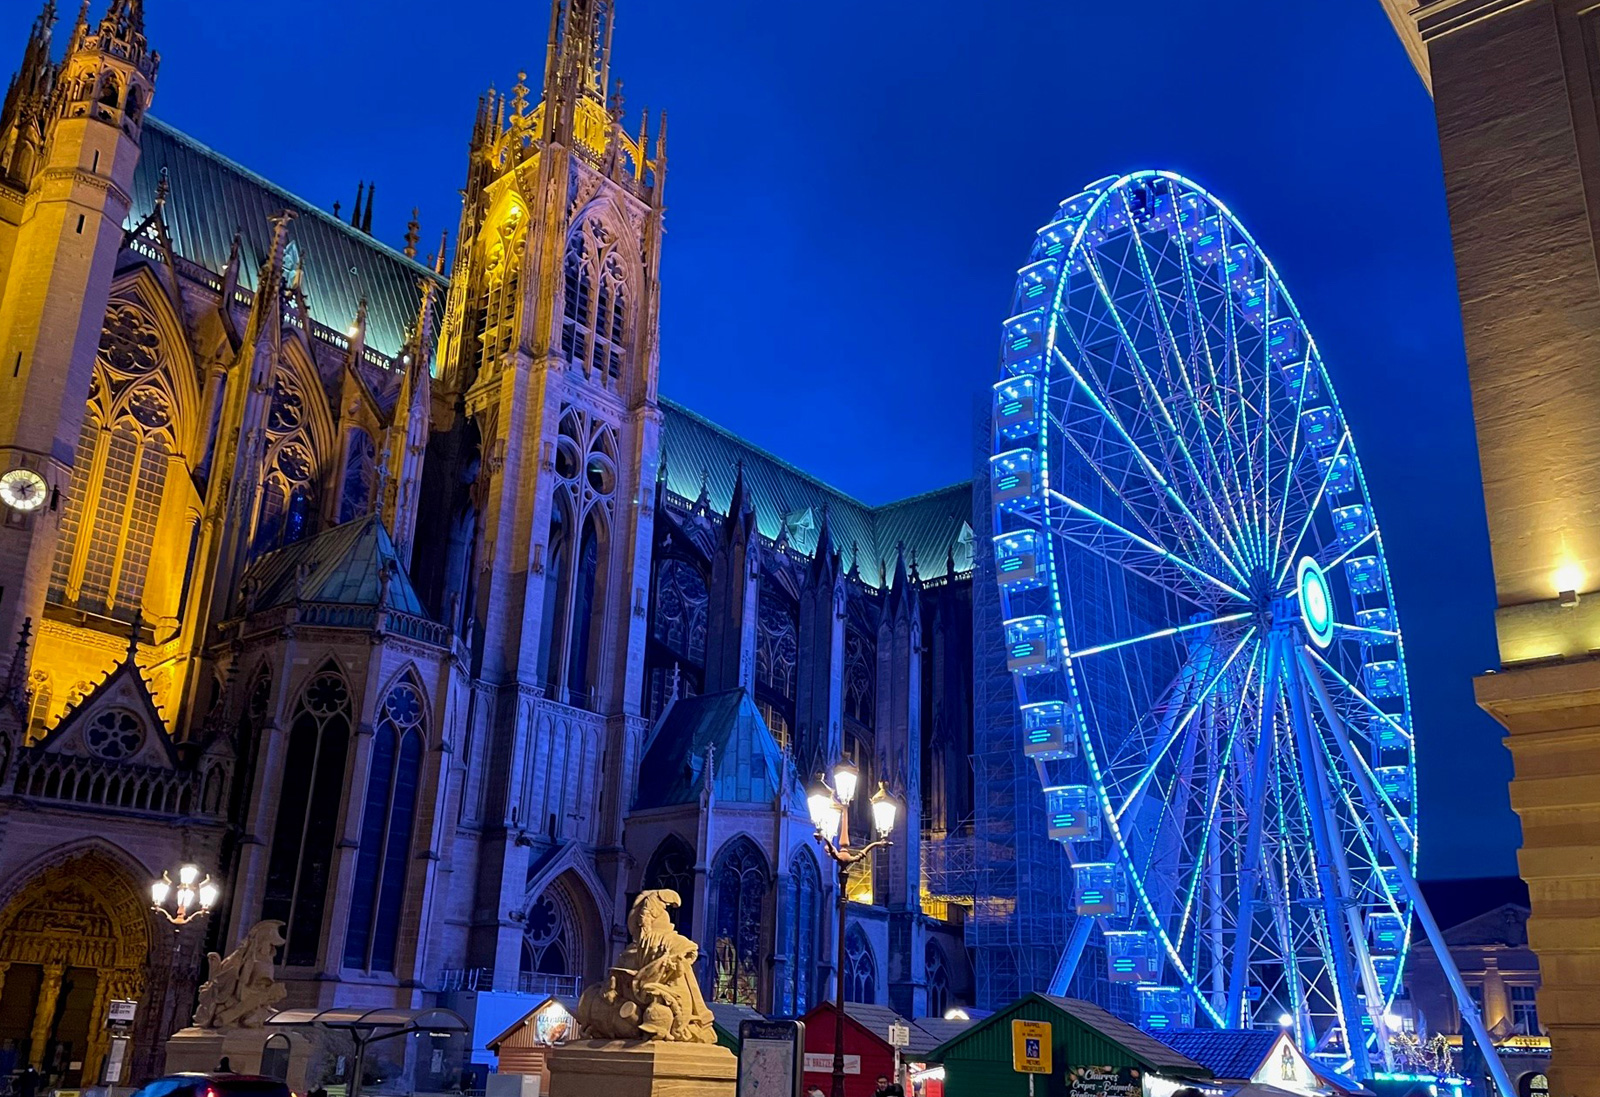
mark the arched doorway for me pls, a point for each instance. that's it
(72, 938)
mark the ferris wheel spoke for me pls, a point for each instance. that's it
(1356, 547)
(1372, 707)
(1159, 634)
(1291, 457)
(1152, 392)
(1311, 512)
(1128, 536)
(1115, 421)
(1199, 323)
(1136, 792)
(1176, 365)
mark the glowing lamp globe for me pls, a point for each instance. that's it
(884, 810)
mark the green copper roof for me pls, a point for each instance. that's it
(748, 767)
(342, 565)
(212, 196)
(933, 526)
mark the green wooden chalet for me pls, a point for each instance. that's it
(1082, 1036)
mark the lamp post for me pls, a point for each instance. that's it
(189, 900)
(830, 811)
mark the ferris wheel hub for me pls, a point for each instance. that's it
(1316, 601)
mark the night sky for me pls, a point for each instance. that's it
(849, 199)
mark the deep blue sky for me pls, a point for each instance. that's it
(849, 198)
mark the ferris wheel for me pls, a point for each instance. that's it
(1201, 627)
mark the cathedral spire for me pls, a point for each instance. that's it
(355, 213)
(578, 52)
(22, 111)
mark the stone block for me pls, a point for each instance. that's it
(642, 1068)
(201, 1049)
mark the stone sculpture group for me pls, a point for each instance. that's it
(241, 990)
(651, 994)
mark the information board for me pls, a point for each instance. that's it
(1030, 1047)
(770, 1058)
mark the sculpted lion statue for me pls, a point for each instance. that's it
(242, 990)
(651, 994)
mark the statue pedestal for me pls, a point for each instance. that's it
(201, 1049)
(642, 1068)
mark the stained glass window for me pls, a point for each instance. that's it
(739, 888)
(547, 938)
(860, 672)
(672, 866)
(938, 977)
(860, 968)
(807, 884)
(356, 499)
(301, 860)
(586, 607)
(777, 646)
(681, 601)
(387, 822)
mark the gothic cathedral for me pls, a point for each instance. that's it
(387, 588)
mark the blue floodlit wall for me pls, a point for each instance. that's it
(1021, 917)
(1022, 910)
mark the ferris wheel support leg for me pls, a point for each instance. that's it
(1355, 1037)
(1067, 967)
(1244, 926)
(1341, 867)
(1402, 862)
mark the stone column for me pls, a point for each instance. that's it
(44, 1012)
(94, 1052)
(1496, 1002)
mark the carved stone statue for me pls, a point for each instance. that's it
(651, 994)
(241, 990)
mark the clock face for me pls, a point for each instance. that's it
(23, 489)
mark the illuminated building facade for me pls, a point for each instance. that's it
(1516, 89)
(391, 591)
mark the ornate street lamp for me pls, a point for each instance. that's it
(193, 896)
(830, 812)
(189, 900)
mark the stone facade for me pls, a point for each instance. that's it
(1516, 88)
(368, 583)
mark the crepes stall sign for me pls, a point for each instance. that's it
(1104, 1082)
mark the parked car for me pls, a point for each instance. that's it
(213, 1085)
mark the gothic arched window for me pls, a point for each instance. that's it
(388, 820)
(588, 600)
(860, 968)
(938, 978)
(860, 665)
(777, 646)
(559, 554)
(681, 601)
(288, 494)
(360, 457)
(549, 938)
(807, 884)
(672, 866)
(594, 303)
(739, 889)
(103, 553)
(301, 861)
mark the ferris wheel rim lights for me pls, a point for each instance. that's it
(1118, 454)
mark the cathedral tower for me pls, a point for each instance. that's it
(545, 437)
(71, 145)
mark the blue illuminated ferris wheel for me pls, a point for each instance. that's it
(1201, 627)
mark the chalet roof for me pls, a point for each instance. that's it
(749, 767)
(1139, 1046)
(1231, 1054)
(211, 197)
(932, 526)
(342, 565)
